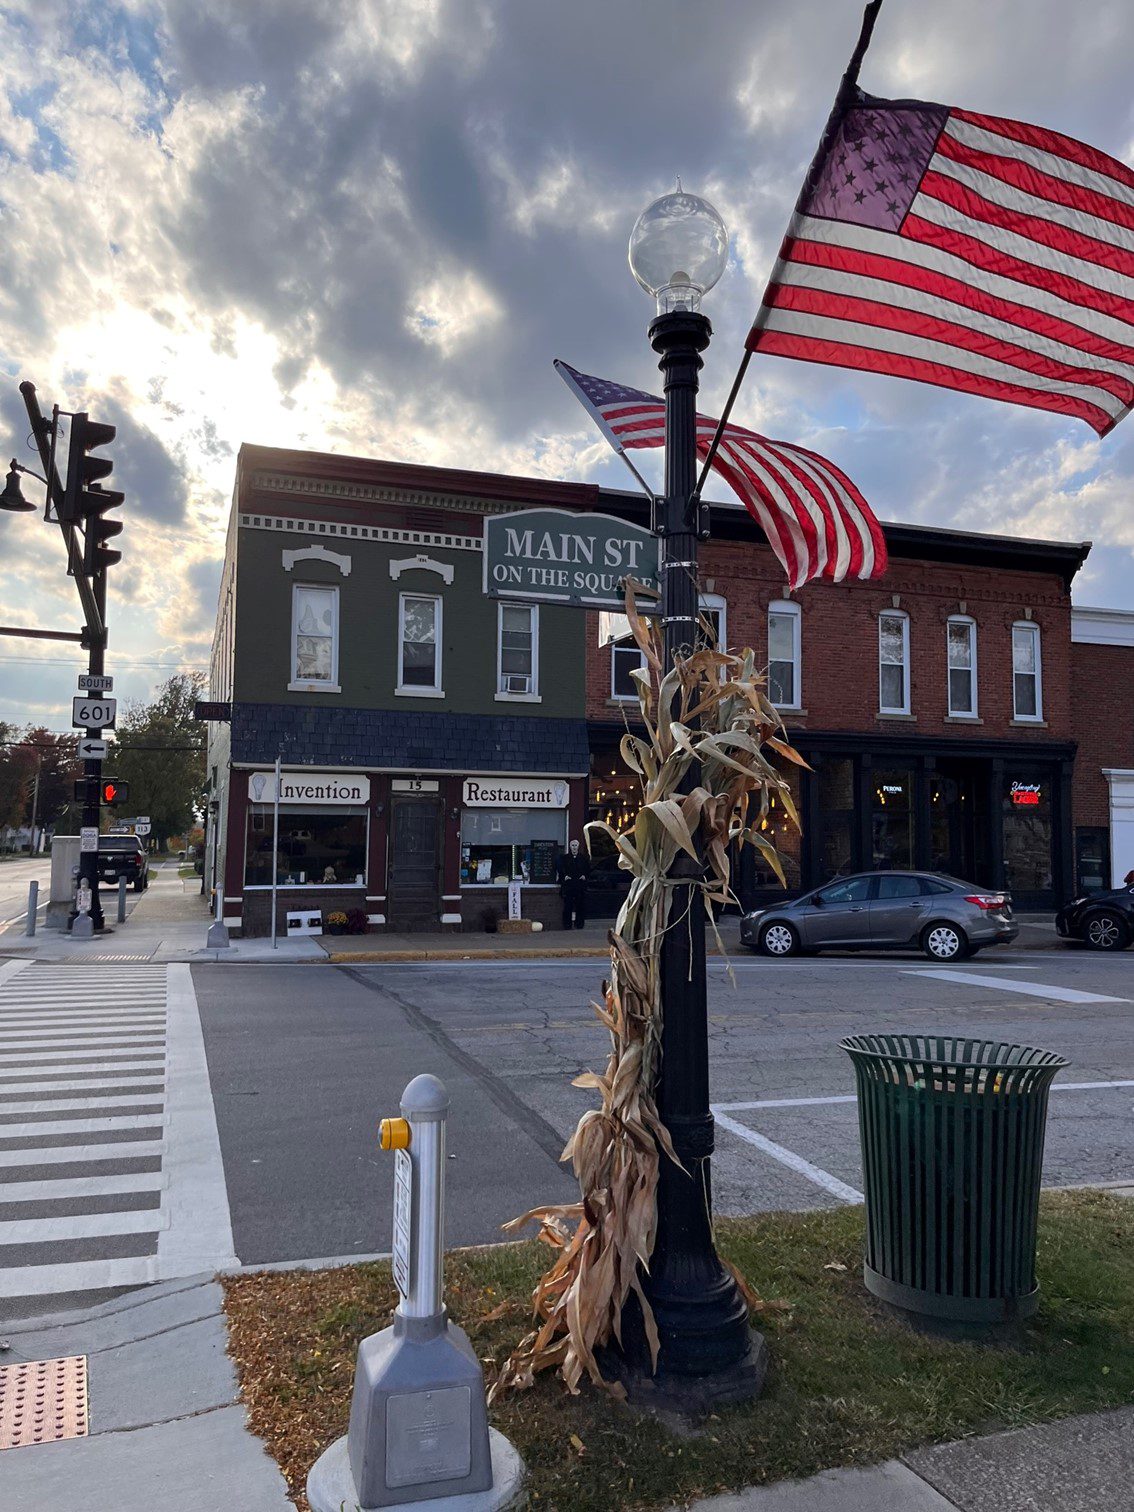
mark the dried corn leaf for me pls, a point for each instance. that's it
(709, 708)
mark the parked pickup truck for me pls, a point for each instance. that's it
(123, 856)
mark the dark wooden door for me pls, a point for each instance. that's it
(413, 890)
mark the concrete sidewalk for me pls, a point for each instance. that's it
(166, 1426)
(1080, 1464)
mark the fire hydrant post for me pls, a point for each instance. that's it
(418, 1423)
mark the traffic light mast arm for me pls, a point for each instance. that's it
(41, 429)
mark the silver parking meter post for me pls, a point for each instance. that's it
(33, 905)
(418, 1419)
(425, 1108)
(122, 900)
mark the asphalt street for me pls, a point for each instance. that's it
(304, 1061)
(14, 879)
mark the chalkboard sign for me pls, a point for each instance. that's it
(545, 853)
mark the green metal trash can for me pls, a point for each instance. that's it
(952, 1137)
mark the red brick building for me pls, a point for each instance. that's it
(1102, 715)
(934, 705)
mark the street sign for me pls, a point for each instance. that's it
(91, 682)
(88, 839)
(557, 557)
(118, 828)
(141, 829)
(141, 819)
(94, 713)
(91, 749)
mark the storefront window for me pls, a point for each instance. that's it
(836, 816)
(1027, 834)
(893, 819)
(499, 846)
(781, 831)
(316, 848)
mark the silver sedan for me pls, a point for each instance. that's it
(890, 910)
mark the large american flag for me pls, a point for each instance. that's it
(816, 521)
(962, 250)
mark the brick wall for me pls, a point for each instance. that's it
(1102, 713)
(839, 637)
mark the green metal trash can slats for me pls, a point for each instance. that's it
(952, 1137)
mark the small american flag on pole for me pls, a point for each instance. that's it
(962, 250)
(816, 521)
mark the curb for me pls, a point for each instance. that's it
(585, 952)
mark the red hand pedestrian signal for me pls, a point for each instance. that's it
(114, 792)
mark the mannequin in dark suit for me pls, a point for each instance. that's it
(574, 869)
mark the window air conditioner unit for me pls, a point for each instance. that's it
(518, 682)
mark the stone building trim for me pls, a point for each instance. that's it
(316, 554)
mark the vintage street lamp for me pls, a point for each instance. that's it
(678, 251)
(12, 498)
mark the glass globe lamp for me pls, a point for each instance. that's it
(678, 250)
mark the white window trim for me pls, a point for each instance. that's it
(717, 604)
(1034, 630)
(423, 690)
(297, 684)
(898, 614)
(623, 697)
(795, 613)
(974, 711)
(502, 696)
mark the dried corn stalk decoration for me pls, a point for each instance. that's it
(604, 1241)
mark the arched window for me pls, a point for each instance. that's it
(961, 655)
(893, 662)
(784, 658)
(1027, 671)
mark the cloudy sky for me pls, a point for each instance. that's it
(369, 225)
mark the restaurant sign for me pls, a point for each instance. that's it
(316, 788)
(559, 557)
(516, 792)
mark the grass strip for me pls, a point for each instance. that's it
(848, 1384)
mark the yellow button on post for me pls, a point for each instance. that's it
(394, 1134)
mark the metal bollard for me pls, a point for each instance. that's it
(122, 900)
(33, 905)
(418, 1421)
(217, 937)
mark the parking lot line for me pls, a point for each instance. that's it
(1027, 989)
(789, 1158)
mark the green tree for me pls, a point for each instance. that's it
(13, 778)
(54, 758)
(160, 752)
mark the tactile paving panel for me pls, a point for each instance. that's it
(42, 1401)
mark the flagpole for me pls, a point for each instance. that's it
(847, 85)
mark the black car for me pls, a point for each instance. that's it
(123, 856)
(1102, 920)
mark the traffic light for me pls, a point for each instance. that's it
(113, 792)
(85, 500)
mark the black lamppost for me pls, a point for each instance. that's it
(678, 250)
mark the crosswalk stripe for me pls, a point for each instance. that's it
(78, 1187)
(82, 1226)
(79, 1275)
(71, 1104)
(104, 1067)
(121, 1149)
(86, 1125)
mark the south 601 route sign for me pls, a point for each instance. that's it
(94, 713)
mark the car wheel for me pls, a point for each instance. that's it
(1106, 931)
(944, 942)
(779, 939)
(139, 885)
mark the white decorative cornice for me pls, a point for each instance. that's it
(340, 530)
(316, 554)
(421, 563)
